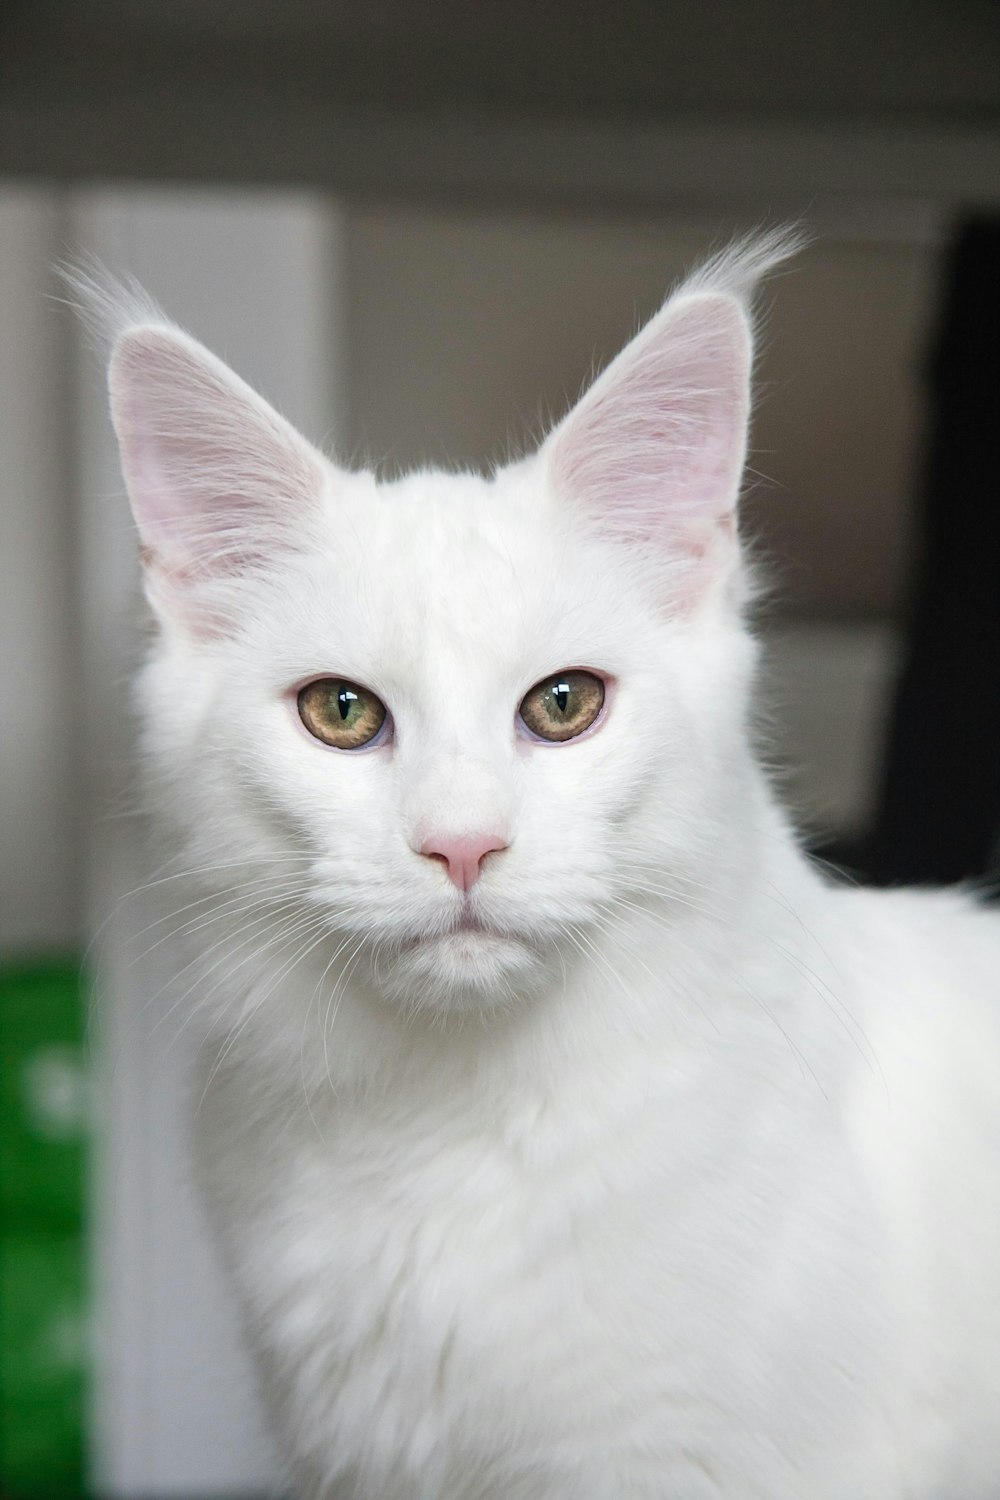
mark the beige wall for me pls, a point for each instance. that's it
(467, 328)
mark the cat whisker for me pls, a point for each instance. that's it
(266, 936)
(259, 1001)
(196, 872)
(217, 909)
(254, 923)
(264, 932)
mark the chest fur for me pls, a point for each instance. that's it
(434, 1299)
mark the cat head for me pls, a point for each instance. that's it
(450, 725)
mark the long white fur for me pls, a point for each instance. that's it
(681, 1180)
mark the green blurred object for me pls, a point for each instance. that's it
(43, 1293)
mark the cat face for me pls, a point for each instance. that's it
(449, 598)
(454, 720)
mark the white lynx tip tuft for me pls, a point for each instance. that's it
(109, 305)
(738, 269)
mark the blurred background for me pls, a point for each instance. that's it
(417, 229)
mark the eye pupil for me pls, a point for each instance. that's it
(561, 694)
(345, 699)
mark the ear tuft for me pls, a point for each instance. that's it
(108, 305)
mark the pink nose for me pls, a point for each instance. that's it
(463, 857)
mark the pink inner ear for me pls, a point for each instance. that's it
(655, 450)
(216, 478)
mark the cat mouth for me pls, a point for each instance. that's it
(469, 922)
(465, 925)
(465, 961)
(467, 928)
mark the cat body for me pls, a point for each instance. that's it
(676, 1268)
(565, 1132)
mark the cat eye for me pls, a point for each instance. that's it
(563, 706)
(341, 713)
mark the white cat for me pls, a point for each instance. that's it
(567, 1134)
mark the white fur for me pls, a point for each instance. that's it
(682, 1182)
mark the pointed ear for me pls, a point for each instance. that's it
(655, 449)
(218, 481)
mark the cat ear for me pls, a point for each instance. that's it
(655, 449)
(219, 482)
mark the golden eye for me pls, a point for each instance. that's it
(562, 706)
(341, 713)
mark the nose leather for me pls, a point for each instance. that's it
(463, 857)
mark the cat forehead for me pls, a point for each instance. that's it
(458, 538)
(467, 511)
(457, 567)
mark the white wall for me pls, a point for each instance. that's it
(175, 1412)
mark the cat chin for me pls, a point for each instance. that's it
(463, 973)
